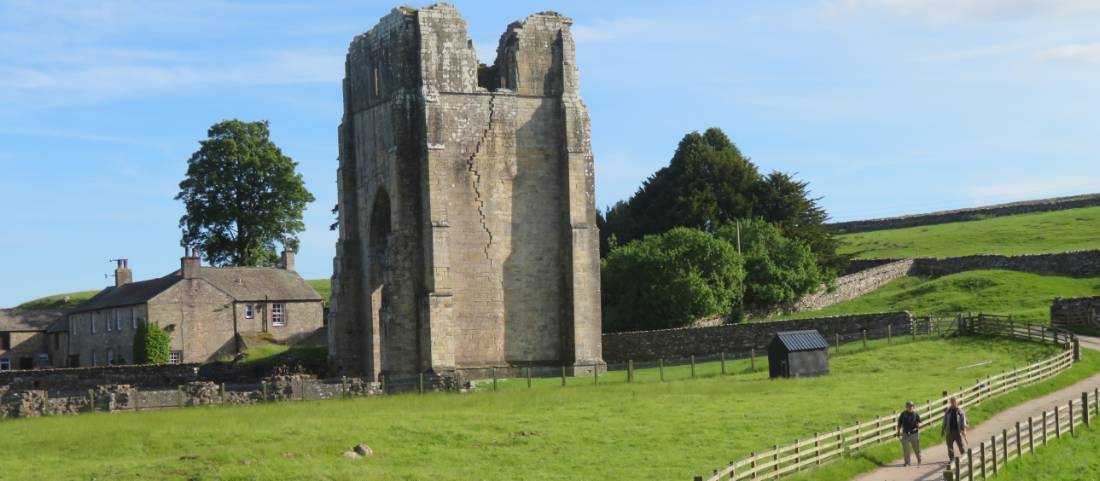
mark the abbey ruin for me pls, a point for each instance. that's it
(468, 233)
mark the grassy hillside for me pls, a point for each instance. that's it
(1072, 229)
(645, 430)
(1026, 296)
(323, 287)
(58, 301)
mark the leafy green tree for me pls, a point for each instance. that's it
(710, 182)
(786, 202)
(779, 270)
(152, 345)
(669, 280)
(242, 195)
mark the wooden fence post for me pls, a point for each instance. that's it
(494, 379)
(1044, 428)
(1031, 435)
(263, 389)
(1019, 447)
(817, 449)
(693, 366)
(970, 463)
(837, 335)
(91, 400)
(661, 368)
(223, 393)
(1057, 422)
(1004, 445)
(981, 457)
(993, 449)
(1072, 430)
(889, 334)
(752, 464)
(722, 357)
(529, 376)
(179, 395)
(563, 375)
(595, 374)
(797, 456)
(629, 371)
(752, 359)
(775, 457)
(958, 467)
(864, 331)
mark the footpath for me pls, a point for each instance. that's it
(935, 457)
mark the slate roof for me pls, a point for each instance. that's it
(27, 320)
(796, 341)
(128, 294)
(241, 283)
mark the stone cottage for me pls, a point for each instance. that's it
(24, 342)
(204, 309)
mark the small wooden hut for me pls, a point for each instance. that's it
(798, 354)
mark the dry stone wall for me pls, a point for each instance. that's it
(705, 341)
(854, 285)
(1085, 263)
(1075, 311)
(1043, 205)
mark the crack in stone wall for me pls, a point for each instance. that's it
(472, 168)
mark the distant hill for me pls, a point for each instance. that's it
(1059, 231)
(58, 301)
(72, 299)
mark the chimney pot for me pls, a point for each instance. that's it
(123, 275)
(190, 264)
(287, 260)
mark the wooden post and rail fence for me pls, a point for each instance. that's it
(825, 447)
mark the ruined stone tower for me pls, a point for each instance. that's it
(468, 231)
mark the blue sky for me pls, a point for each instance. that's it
(885, 106)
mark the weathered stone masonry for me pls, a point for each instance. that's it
(1084, 263)
(976, 213)
(467, 217)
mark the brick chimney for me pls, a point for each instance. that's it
(190, 263)
(287, 260)
(123, 275)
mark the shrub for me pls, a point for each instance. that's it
(669, 280)
(152, 345)
(779, 270)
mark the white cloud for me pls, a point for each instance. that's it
(949, 11)
(1087, 52)
(92, 81)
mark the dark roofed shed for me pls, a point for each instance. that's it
(798, 354)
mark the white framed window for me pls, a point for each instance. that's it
(5, 364)
(107, 318)
(92, 317)
(72, 325)
(95, 358)
(43, 359)
(133, 317)
(278, 314)
(175, 357)
(249, 311)
(118, 320)
(110, 357)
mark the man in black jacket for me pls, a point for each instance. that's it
(908, 429)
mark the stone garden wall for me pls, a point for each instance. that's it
(1043, 205)
(1084, 263)
(731, 338)
(854, 285)
(1075, 311)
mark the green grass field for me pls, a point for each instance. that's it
(872, 458)
(1068, 459)
(1059, 231)
(323, 287)
(58, 301)
(1025, 296)
(644, 430)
